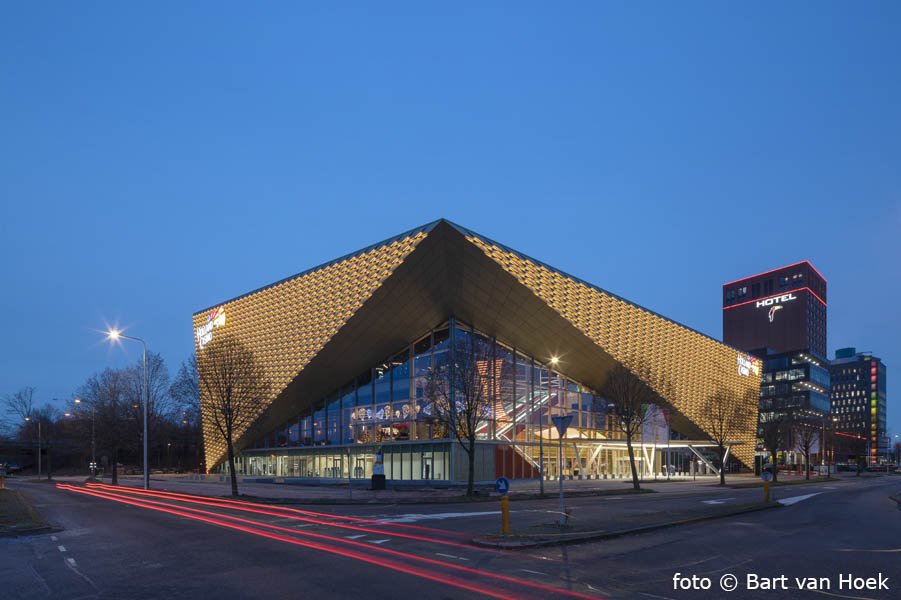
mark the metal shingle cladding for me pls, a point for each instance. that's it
(685, 366)
(288, 323)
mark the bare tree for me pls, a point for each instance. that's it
(159, 405)
(805, 439)
(48, 416)
(107, 393)
(185, 393)
(630, 396)
(721, 420)
(458, 391)
(773, 433)
(233, 388)
(20, 404)
(185, 389)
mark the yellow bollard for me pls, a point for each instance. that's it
(766, 492)
(505, 514)
(2, 483)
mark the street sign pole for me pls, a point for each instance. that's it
(561, 422)
(767, 476)
(502, 487)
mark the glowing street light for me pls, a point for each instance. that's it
(28, 418)
(115, 335)
(552, 361)
(93, 436)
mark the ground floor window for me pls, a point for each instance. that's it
(437, 461)
(402, 462)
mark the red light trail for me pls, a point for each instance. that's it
(240, 524)
(244, 503)
(277, 512)
(281, 538)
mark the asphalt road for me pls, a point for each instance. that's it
(126, 545)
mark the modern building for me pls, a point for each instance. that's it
(783, 310)
(795, 388)
(350, 350)
(779, 316)
(859, 406)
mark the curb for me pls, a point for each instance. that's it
(598, 536)
(33, 531)
(481, 498)
(780, 484)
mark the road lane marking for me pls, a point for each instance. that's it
(719, 501)
(534, 572)
(450, 556)
(696, 562)
(61, 548)
(413, 517)
(70, 563)
(53, 538)
(354, 537)
(796, 499)
(379, 541)
(834, 595)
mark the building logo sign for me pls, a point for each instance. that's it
(773, 310)
(776, 300)
(748, 365)
(204, 333)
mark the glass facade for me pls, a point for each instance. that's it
(796, 383)
(388, 410)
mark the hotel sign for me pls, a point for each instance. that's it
(748, 365)
(204, 333)
(776, 300)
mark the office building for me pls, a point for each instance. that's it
(859, 406)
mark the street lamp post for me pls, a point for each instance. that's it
(115, 335)
(553, 361)
(888, 449)
(39, 444)
(561, 422)
(93, 439)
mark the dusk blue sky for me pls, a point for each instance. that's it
(158, 159)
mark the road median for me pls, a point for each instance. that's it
(786, 483)
(17, 517)
(552, 535)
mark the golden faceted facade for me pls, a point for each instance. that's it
(287, 324)
(685, 367)
(314, 331)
